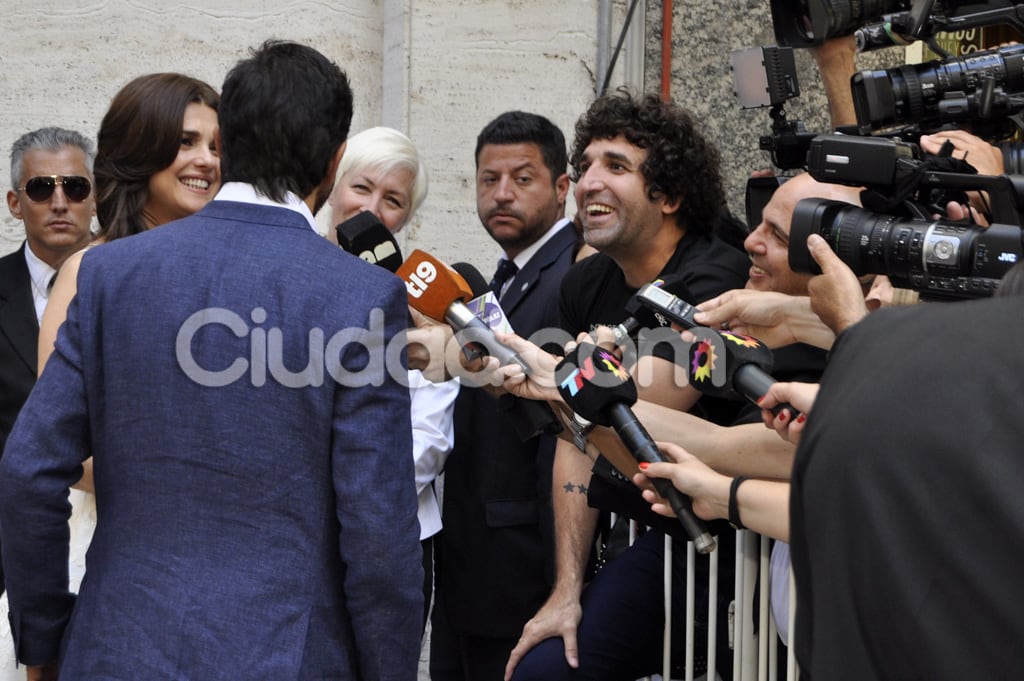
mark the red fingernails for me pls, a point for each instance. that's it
(643, 465)
(784, 415)
(801, 418)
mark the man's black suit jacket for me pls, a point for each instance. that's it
(495, 551)
(19, 336)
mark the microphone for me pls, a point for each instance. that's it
(596, 386)
(529, 418)
(363, 235)
(439, 292)
(658, 303)
(732, 365)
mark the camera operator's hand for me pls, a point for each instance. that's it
(837, 296)
(801, 396)
(775, 319)
(986, 159)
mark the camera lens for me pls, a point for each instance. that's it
(940, 259)
(938, 92)
(805, 23)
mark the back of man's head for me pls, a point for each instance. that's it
(520, 127)
(283, 114)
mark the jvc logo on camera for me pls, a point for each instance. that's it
(1007, 257)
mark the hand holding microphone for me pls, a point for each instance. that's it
(729, 364)
(596, 386)
(438, 292)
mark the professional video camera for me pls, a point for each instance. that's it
(894, 234)
(984, 89)
(883, 23)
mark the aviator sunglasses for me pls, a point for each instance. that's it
(41, 188)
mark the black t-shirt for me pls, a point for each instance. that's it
(594, 290)
(594, 293)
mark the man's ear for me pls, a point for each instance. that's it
(14, 204)
(562, 187)
(669, 207)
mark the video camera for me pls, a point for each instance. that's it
(894, 234)
(883, 23)
(984, 89)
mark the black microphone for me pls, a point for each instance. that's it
(659, 303)
(365, 236)
(596, 386)
(732, 365)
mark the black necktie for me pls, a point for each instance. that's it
(506, 270)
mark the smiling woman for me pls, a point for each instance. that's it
(156, 161)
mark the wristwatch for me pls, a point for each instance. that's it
(580, 429)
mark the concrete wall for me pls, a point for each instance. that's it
(438, 69)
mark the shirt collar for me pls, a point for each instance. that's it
(244, 192)
(39, 271)
(524, 256)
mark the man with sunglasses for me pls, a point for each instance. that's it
(51, 180)
(51, 192)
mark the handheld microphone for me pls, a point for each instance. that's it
(658, 303)
(363, 235)
(439, 292)
(730, 364)
(596, 386)
(529, 418)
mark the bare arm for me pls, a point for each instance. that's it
(748, 449)
(575, 524)
(776, 319)
(64, 289)
(763, 504)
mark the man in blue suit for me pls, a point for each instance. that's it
(252, 452)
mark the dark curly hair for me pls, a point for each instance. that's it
(681, 163)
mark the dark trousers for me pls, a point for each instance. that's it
(622, 630)
(465, 658)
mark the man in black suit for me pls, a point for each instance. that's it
(494, 553)
(48, 167)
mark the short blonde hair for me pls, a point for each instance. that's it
(385, 149)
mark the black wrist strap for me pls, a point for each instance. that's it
(734, 508)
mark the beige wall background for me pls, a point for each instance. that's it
(436, 69)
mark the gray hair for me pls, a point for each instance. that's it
(50, 139)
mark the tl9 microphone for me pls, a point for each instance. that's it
(730, 364)
(658, 303)
(596, 386)
(363, 235)
(439, 292)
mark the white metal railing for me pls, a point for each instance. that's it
(755, 655)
